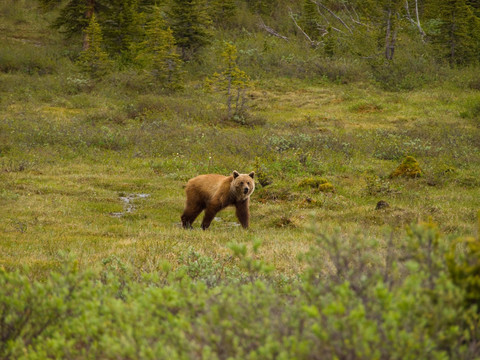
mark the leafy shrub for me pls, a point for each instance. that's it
(463, 261)
(377, 185)
(406, 73)
(472, 109)
(16, 165)
(275, 192)
(326, 187)
(358, 298)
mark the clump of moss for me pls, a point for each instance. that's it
(408, 168)
(312, 182)
(326, 187)
(321, 184)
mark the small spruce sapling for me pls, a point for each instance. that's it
(233, 82)
(93, 60)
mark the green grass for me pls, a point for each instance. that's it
(67, 159)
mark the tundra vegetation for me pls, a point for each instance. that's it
(361, 120)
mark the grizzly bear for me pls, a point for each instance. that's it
(213, 193)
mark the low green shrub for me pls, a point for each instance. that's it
(403, 73)
(463, 261)
(358, 298)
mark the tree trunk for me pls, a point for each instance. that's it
(452, 40)
(390, 37)
(88, 15)
(229, 97)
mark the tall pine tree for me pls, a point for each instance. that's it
(158, 53)
(191, 25)
(458, 34)
(74, 15)
(385, 15)
(121, 26)
(222, 12)
(309, 19)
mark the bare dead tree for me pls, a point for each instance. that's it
(417, 21)
(390, 37)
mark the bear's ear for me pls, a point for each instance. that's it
(252, 174)
(235, 174)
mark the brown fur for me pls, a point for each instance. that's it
(213, 193)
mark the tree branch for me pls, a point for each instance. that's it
(319, 4)
(312, 43)
(270, 30)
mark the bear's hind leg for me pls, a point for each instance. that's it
(189, 215)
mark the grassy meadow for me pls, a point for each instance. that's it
(68, 156)
(95, 171)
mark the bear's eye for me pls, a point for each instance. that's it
(241, 182)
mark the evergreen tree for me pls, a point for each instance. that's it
(93, 60)
(329, 42)
(121, 25)
(475, 6)
(458, 36)
(222, 11)
(74, 15)
(310, 19)
(191, 25)
(158, 53)
(262, 7)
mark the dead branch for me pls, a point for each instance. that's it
(270, 30)
(319, 4)
(312, 42)
(357, 20)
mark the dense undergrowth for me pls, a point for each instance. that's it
(356, 299)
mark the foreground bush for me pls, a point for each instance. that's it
(357, 299)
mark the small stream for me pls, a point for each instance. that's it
(128, 204)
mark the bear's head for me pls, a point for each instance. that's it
(242, 185)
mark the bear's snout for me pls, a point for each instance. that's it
(245, 190)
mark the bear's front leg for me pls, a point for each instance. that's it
(210, 213)
(243, 213)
